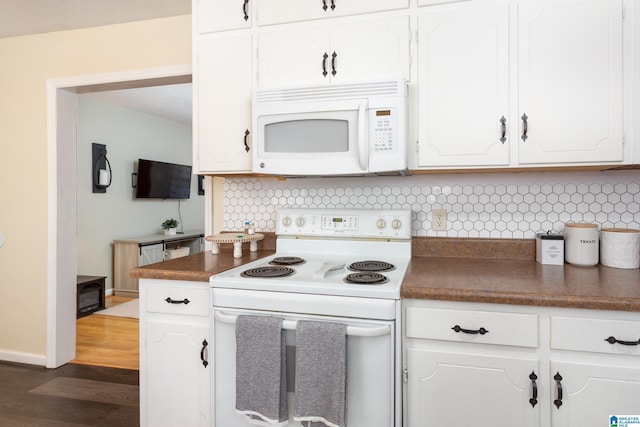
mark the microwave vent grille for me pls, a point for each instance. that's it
(332, 92)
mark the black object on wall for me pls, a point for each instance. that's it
(99, 162)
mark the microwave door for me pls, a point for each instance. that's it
(313, 138)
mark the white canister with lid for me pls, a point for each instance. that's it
(581, 244)
(620, 247)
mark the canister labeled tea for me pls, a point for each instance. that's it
(581, 243)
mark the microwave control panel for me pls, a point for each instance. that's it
(344, 223)
(384, 124)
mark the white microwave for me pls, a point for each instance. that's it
(342, 129)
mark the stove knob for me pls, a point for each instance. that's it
(396, 224)
(381, 223)
(286, 221)
(300, 222)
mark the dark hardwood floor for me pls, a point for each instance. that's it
(70, 396)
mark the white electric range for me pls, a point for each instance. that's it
(330, 265)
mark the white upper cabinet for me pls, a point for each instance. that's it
(357, 51)
(520, 83)
(221, 15)
(282, 11)
(463, 91)
(434, 2)
(570, 81)
(222, 119)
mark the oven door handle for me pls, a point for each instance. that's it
(355, 331)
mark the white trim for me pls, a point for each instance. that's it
(54, 356)
(19, 357)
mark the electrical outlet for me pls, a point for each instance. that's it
(439, 220)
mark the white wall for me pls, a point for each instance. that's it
(116, 214)
(26, 209)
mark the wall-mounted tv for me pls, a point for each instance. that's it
(160, 180)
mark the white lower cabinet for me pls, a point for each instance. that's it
(174, 352)
(490, 365)
(472, 389)
(591, 393)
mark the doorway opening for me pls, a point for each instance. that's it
(62, 192)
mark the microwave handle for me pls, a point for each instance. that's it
(363, 149)
(357, 331)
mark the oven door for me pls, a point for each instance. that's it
(370, 368)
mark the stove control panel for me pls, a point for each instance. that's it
(350, 223)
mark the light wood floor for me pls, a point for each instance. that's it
(108, 340)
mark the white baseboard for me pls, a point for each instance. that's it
(108, 292)
(19, 357)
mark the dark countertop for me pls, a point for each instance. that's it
(473, 270)
(198, 267)
(522, 282)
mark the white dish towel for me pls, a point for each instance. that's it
(261, 383)
(321, 368)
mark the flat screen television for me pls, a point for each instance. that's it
(160, 180)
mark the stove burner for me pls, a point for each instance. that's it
(287, 260)
(371, 266)
(268, 271)
(366, 278)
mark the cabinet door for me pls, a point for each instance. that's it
(570, 81)
(177, 383)
(469, 390)
(591, 393)
(222, 120)
(222, 15)
(463, 85)
(151, 254)
(293, 57)
(366, 50)
(281, 11)
(371, 50)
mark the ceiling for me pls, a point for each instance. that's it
(22, 17)
(25, 17)
(169, 102)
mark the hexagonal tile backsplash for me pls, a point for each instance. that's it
(478, 205)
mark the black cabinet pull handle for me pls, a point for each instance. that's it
(534, 389)
(525, 127)
(324, 5)
(324, 64)
(333, 4)
(614, 340)
(558, 401)
(503, 121)
(169, 300)
(204, 347)
(333, 64)
(246, 144)
(244, 10)
(480, 331)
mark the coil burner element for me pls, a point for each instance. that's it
(371, 266)
(287, 260)
(268, 272)
(366, 278)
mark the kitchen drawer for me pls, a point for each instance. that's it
(502, 328)
(198, 300)
(571, 333)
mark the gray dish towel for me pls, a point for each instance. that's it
(321, 368)
(261, 384)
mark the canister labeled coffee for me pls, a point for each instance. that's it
(581, 243)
